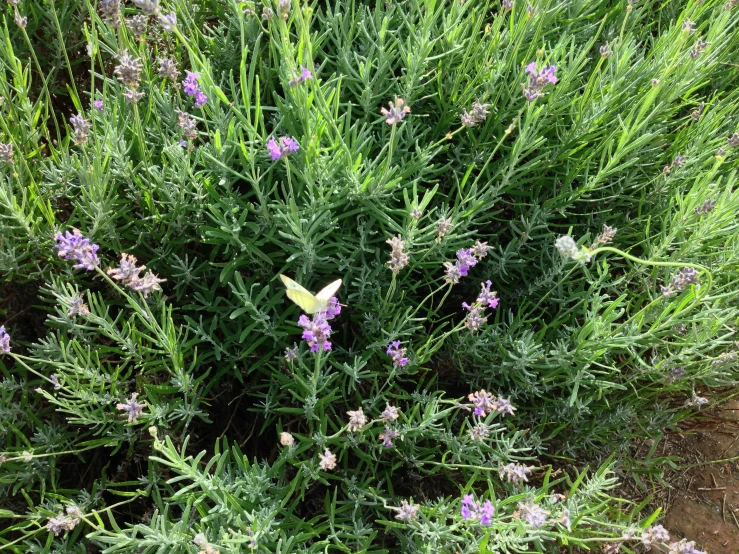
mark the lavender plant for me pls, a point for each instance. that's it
(533, 218)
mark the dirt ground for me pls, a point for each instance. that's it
(701, 500)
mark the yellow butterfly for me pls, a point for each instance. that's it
(310, 303)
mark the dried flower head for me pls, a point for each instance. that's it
(147, 284)
(675, 374)
(398, 256)
(127, 269)
(291, 354)
(531, 513)
(110, 11)
(605, 51)
(480, 249)
(286, 439)
(77, 306)
(695, 115)
(81, 128)
(357, 420)
(443, 226)
(64, 522)
(606, 235)
(327, 460)
(567, 246)
(688, 26)
(654, 534)
(477, 114)
(706, 207)
(479, 432)
(696, 401)
(128, 70)
(507, 5)
(284, 9)
(733, 140)
(137, 25)
(131, 407)
(76, 247)
(168, 69)
(282, 147)
(20, 20)
(515, 473)
(133, 96)
(6, 153)
(150, 7)
(698, 48)
(388, 437)
(390, 413)
(398, 110)
(684, 547)
(406, 512)
(268, 14)
(416, 213)
(4, 340)
(188, 125)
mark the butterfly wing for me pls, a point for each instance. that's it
(298, 294)
(325, 294)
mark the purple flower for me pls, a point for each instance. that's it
(4, 340)
(465, 260)
(76, 247)
(190, 85)
(192, 88)
(333, 308)
(316, 331)
(284, 147)
(305, 74)
(131, 407)
(398, 110)
(168, 21)
(471, 509)
(200, 98)
(538, 79)
(487, 296)
(98, 104)
(397, 353)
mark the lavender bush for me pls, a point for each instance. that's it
(531, 207)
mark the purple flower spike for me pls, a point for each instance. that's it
(538, 79)
(397, 353)
(190, 85)
(192, 88)
(471, 509)
(465, 260)
(282, 147)
(200, 98)
(316, 331)
(76, 247)
(4, 340)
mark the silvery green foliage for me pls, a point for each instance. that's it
(587, 352)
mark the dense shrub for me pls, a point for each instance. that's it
(531, 200)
